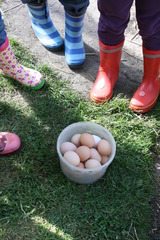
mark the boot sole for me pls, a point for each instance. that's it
(75, 66)
(29, 87)
(55, 49)
(37, 87)
(11, 153)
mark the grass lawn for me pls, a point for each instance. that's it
(37, 202)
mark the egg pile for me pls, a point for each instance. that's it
(86, 150)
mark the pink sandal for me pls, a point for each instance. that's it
(9, 143)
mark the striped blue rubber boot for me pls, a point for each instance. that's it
(44, 27)
(74, 47)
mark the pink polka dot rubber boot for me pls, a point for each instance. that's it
(11, 67)
(9, 143)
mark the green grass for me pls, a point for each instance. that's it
(37, 202)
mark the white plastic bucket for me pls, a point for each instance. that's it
(80, 175)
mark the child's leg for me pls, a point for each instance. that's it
(74, 17)
(11, 67)
(43, 26)
(114, 17)
(75, 7)
(3, 34)
(148, 17)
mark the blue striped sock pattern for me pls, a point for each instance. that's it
(74, 47)
(44, 28)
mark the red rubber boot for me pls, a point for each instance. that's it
(110, 57)
(146, 95)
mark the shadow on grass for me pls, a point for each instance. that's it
(39, 202)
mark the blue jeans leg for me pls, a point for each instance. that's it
(3, 34)
(72, 7)
(75, 7)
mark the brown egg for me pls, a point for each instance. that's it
(104, 159)
(81, 165)
(67, 146)
(72, 157)
(92, 163)
(104, 147)
(83, 152)
(76, 139)
(95, 154)
(86, 139)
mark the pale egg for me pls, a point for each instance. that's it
(97, 139)
(104, 159)
(92, 163)
(95, 154)
(72, 157)
(67, 146)
(76, 139)
(86, 139)
(104, 147)
(83, 152)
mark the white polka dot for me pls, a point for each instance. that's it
(142, 94)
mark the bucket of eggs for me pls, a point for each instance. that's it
(85, 150)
